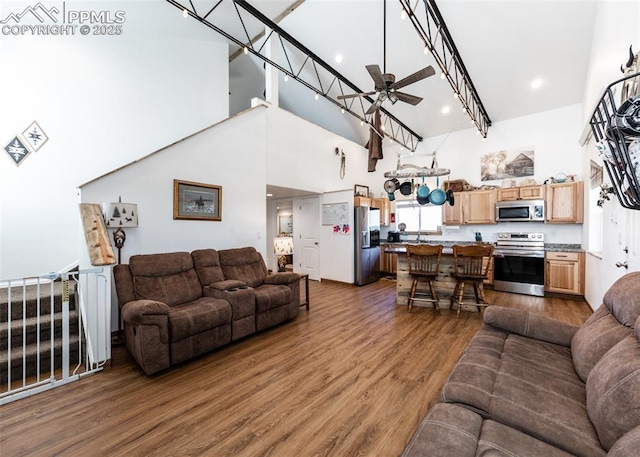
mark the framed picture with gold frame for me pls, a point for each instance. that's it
(197, 201)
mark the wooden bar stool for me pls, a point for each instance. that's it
(471, 264)
(424, 263)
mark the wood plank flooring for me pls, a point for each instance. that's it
(351, 377)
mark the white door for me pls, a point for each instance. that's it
(306, 256)
(632, 241)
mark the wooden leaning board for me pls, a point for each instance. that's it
(96, 235)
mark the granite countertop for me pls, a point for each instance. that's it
(561, 247)
(549, 247)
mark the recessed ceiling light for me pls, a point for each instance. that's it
(536, 83)
(317, 96)
(339, 58)
(286, 78)
(445, 110)
(269, 195)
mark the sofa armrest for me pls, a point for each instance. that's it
(227, 284)
(530, 324)
(135, 311)
(284, 278)
(148, 312)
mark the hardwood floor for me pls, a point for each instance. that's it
(352, 376)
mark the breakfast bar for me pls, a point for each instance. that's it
(444, 283)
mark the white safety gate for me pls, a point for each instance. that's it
(54, 329)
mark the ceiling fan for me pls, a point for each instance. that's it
(385, 83)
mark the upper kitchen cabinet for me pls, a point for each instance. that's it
(479, 206)
(473, 207)
(521, 193)
(384, 205)
(565, 203)
(362, 201)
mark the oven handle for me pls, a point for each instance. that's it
(519, 254)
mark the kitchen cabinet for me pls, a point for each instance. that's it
(384, 205)
(565, 203)
(362, 201)
(479, 206)
(473, 207)
(564, 272)
(388, 261)
(452, 215)
(521, 193)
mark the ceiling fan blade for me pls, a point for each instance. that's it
(417, 76)
(372, 109)
(361, 94)
(376, 75)
(408, 98)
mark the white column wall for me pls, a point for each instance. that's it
(617, 26)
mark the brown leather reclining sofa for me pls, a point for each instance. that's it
(529, 385)
(179, 305)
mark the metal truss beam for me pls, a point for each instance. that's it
(436, 37)
(316, 69)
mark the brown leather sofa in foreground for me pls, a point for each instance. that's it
(529, 385)
(179, 305)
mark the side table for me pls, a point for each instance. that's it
(306, 291)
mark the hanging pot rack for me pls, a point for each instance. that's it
(414, 171)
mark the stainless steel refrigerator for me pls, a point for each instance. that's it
(367, 245)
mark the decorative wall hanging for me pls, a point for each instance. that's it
(35, 136)
(17, 150)
(510, 163)
(197, 201)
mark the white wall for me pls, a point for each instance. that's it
(103, 101)
(552, 134)
(617, 26)
(212, 156)
(337, 252)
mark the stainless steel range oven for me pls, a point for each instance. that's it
(519, 263)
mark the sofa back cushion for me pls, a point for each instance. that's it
(207, 265)
(613, 390)
(168, 278)
(596, 336)
(613, 321)
(243, 264)
(623, 299)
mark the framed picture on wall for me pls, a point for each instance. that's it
(197, 201)
(360, 190)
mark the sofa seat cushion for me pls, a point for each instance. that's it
(272, 296)
(451, 430)
(203, 314)
(504, 378)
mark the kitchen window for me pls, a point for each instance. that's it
(419, 218)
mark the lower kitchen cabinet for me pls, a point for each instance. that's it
(388, 261)
(564, 272)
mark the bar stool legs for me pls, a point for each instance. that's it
(413, 293)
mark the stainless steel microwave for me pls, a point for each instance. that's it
(520, 211)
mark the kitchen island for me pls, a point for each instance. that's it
(444, 283)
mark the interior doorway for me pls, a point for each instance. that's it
(306, 213)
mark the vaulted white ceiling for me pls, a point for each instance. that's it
(504, 44)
